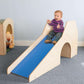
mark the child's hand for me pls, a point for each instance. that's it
(48, 21)
(58, 26)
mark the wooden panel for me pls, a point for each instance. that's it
(7, 23)
(28, 50)
(1, 40)
(52, 59)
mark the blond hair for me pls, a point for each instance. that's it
(59, 11)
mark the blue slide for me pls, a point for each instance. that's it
(31, 61)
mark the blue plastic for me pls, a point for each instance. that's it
(30, 62)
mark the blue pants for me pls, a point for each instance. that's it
(54, 35)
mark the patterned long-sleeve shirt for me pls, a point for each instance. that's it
(54, 23)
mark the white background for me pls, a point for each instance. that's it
(30, 16)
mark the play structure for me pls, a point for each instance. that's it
(40, 57)
(6, 33)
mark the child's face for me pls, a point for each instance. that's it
(57, 16)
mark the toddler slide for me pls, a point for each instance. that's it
(40, 57)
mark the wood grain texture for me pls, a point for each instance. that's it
(66, 46)
(3, 28)
(1, 40)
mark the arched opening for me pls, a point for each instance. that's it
(66, 50)
(9, 29)
(9, 37)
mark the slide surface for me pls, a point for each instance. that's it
(30, 62)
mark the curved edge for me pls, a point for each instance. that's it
(23, 55)
(28, 50)
(66, 50)
(49, 60)
(71, 35)
(63, 40)
(47, 29)
(4, 25)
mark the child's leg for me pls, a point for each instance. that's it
(57, 37)
(50, 36)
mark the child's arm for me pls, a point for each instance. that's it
(51, 23)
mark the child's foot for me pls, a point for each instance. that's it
(48, 41)
(54, 42)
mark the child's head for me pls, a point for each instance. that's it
(58, 15)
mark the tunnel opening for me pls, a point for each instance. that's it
(66, 50)
(9, 35)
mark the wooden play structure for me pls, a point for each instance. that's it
(6, 25)
(40, 57)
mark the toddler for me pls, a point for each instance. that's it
(58, 28)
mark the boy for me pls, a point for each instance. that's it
(58, 28)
